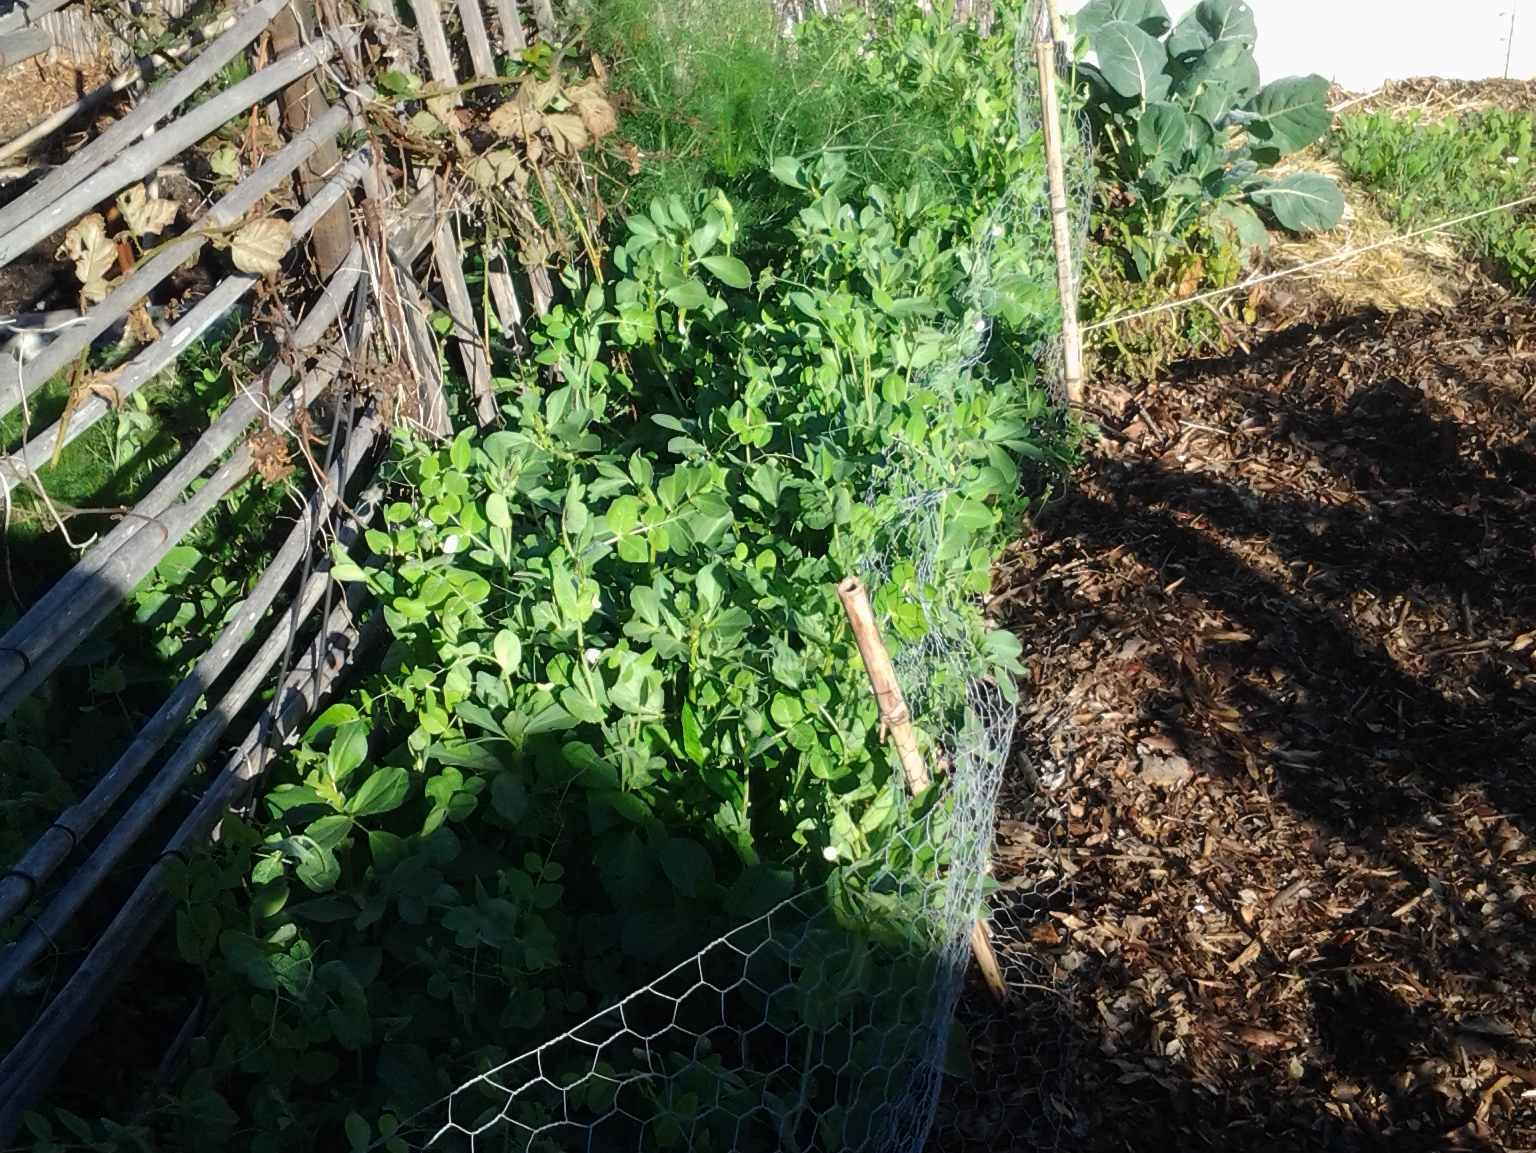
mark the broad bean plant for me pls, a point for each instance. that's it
(620, 711)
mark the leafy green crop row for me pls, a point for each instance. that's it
(1423, 171)
(620, 711)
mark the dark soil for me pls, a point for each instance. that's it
(1267, 852)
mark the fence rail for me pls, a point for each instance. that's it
(383, 246)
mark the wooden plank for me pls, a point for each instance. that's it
(16, 47)
(513, 39)
(544, 19)
(476, 37)
(434, 43)
(125, 79)
(302, 104)
(158, 103)
(472, 351)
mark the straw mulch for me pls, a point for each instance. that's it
(1425, 272)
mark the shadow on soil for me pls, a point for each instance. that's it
(1368, 554)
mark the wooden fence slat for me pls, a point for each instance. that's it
(46, 617)
(45, 648)
(35, 454)
(28, 12)
(513, 38)
(461, 310)
(135, 163)
(303, 103)
(125, 79)
(434, 43)
(160, 102)
(32, 1063)
(476, 37)
(36, 644)
(16, 47)
(126, 293)
(544, 18)
(50, 924)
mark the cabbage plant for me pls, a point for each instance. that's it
(1186, 128)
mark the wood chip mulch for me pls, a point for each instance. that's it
(1269, 840)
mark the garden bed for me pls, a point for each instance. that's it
(1283, 702)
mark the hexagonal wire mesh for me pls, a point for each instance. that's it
(825, 1024)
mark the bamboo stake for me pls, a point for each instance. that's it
(1061, 218)
(897, 720)
(1057, 22)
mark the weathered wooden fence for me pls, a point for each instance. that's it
(375, 254)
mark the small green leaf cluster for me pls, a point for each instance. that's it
(1423, 171)
(1186, 130)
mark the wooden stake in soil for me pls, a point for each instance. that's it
(1061, 219)
(898, 722)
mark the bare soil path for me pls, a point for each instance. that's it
(1282, 635)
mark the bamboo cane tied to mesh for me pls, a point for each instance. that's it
(897, 719)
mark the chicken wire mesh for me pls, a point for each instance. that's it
(829, 1022)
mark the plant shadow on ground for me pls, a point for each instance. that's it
(1284, 706)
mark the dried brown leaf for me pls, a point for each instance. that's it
(93, 253)
(568, 131)
(514, 120)
(141, 329)
(260, 245)
(496, 168)
(145, 214)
